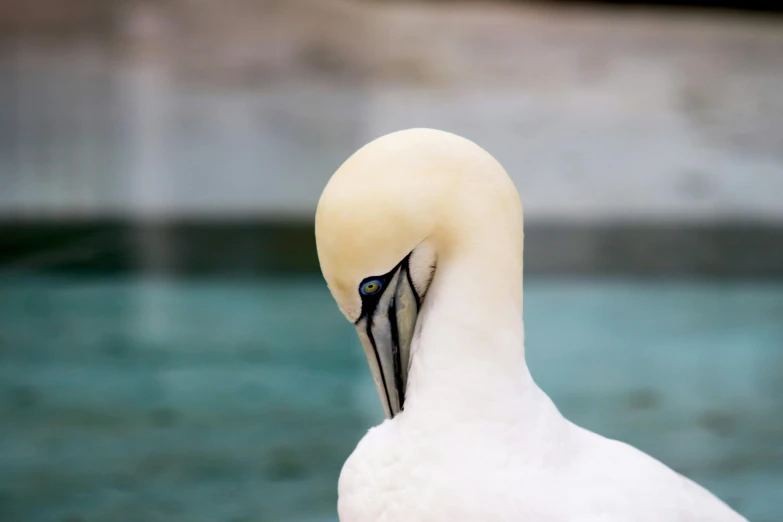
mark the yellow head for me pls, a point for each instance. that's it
(389, 215)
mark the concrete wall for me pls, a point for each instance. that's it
(598, 115)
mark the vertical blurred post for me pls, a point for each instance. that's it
(146, 95)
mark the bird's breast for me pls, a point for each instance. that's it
(397, 474)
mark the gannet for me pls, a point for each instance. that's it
(419, 236)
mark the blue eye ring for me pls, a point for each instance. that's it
(371, 287)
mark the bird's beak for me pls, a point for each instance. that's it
(386, 333)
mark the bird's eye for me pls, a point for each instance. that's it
(371, 287)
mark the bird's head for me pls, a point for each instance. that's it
(390, 216)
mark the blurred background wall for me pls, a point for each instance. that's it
(160, 163)
(606, 118)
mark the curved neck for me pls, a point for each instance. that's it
(467, 356)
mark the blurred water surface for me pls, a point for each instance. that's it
(216, 400)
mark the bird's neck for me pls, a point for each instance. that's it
(468, 357)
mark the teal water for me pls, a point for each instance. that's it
(141, 400)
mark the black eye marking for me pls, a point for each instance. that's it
(372, 288)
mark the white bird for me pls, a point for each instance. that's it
(419, 237)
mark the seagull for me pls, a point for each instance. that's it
(420, 239)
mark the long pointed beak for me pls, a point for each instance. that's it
(386, 333)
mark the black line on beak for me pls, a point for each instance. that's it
(378, 360)
(410, 282)
(396, 353)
